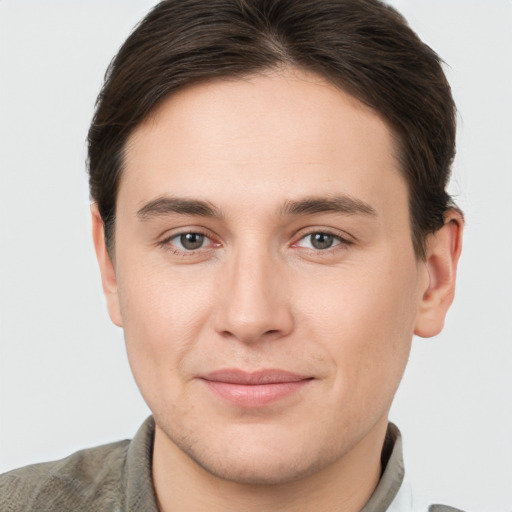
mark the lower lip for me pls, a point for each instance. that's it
(259, 395)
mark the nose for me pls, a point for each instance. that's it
(253, 302)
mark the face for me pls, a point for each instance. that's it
(264, 274)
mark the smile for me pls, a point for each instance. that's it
(255, 389)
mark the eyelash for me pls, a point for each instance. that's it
(342, 242)
(165, 243)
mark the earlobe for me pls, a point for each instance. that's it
(108, 275)
(443, 252)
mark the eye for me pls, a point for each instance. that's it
(190, 241)
(187, 242)
(320, 241)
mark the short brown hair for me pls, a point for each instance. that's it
(362, 46)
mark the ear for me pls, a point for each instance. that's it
(107, 269)
(443, 251)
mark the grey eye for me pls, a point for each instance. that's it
(321, 240)
(192, 241)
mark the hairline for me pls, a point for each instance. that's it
(418, 239)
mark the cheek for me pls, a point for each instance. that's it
(365, 321)
(163, 315)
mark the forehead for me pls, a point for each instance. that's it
(283, 133)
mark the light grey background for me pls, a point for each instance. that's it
(64, 380)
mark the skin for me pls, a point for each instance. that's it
(257, 294)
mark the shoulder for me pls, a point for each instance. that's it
(79, 480)
(442, 508)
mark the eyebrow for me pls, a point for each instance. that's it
(308, 206)
(182, 206)
(337, 204)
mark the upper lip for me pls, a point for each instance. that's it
(260, 377)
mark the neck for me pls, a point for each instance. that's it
(345, 485)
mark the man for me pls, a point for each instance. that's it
(272, 227)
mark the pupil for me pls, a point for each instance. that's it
(192, 241)
(321, 240)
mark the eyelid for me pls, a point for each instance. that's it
(165, 240)
(343, 237)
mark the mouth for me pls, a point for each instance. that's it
(254, 389)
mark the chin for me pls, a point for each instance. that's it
(264, 456)
(259, 469)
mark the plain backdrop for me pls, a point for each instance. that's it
(64, 380)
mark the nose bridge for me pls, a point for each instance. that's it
(254, 303)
